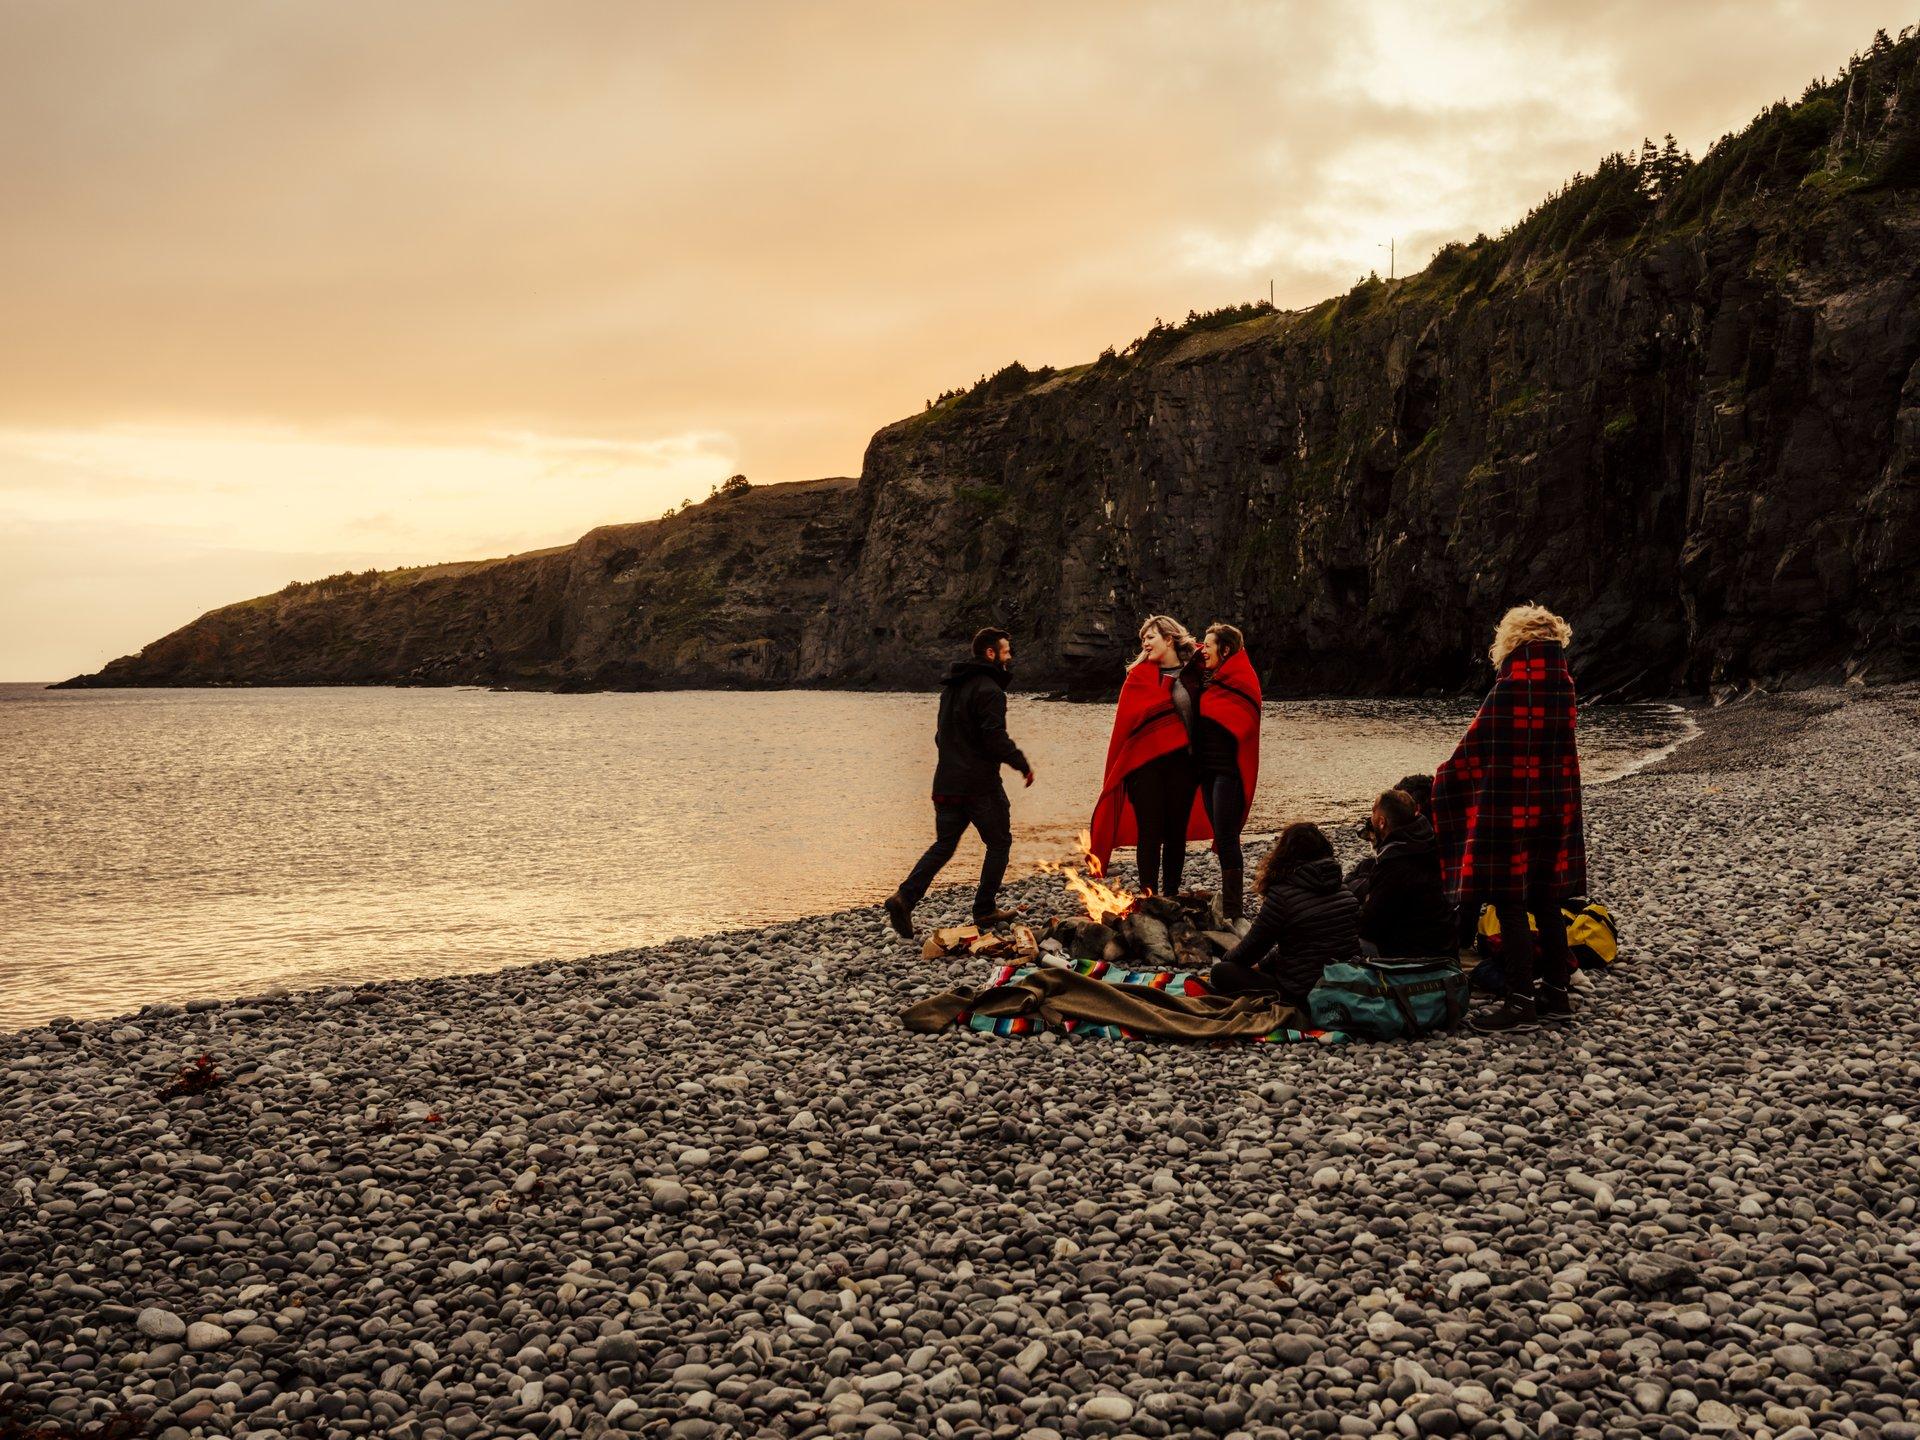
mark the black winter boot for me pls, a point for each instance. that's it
(1513, 1013)
(900, 914)
(1553, 1004)
(1233, 893)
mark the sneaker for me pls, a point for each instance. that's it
(995, 917)
(900, 914)
(1510, 1015)
(1555, 1005)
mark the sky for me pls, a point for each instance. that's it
(289, 287)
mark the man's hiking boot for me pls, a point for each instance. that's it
(1510, 1014)
(1552, 1004)
(900, 914)
(995, 917)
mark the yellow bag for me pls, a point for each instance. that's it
(1593, 939)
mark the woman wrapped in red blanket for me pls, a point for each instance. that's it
(1506, 807)
(1189, 716)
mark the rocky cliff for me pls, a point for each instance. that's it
(730, 592)
(1679, 402)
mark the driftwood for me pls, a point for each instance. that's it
(1019, 943)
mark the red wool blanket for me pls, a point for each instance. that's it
(1146, 726)
(1506, 804)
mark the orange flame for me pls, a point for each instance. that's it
(1103, 902)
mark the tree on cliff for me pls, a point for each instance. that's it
(1661, 169)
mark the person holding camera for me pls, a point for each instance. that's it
(1404, 908)
(1419, 789)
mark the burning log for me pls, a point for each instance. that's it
(1084, 877)
(1148, 939)
(1081, 938)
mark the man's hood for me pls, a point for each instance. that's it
(1410, 840)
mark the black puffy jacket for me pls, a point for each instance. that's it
(972, 735)
(1304, 922)
(1406, 910)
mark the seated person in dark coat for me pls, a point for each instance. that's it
(1420, 789)
(1404, 905)
(1307, 919)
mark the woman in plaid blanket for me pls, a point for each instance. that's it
(1507, 809)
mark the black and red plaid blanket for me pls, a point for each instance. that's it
(1507, 803)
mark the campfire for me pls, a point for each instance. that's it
(1144, 931)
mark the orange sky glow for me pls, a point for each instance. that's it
(296, 288)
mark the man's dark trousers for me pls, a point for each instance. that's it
(993, 818)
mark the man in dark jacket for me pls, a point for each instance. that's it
(973, 743)
(1404, 905)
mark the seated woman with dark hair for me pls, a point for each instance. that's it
(1404, 908)
(1307, 919)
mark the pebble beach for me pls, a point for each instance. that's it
(714, 1188)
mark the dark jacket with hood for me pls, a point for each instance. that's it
(1215, 751)
(1306, 921)
(1404, 909)
(972, 735)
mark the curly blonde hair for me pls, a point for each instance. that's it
(1183, 643)
(1525, 623)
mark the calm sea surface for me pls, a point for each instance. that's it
(170, 844)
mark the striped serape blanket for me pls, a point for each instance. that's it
(1177, 982)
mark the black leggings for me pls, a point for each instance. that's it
(1161, 793)
(1519, 946)
(1227, 813)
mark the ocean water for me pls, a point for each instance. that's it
(174, 844)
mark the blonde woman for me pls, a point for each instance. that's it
(1506, 807)
(1150, 795)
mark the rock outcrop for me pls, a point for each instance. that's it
(1680, 403)
(730, 592)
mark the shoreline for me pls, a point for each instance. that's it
(1051, 694)
(713, 1187)
(327, 921)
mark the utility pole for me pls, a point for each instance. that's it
(1269, 294)
(1390, 247)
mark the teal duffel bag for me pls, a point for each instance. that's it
(1390, 999)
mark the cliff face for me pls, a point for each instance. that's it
(1681, 404)
(1689, 420)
